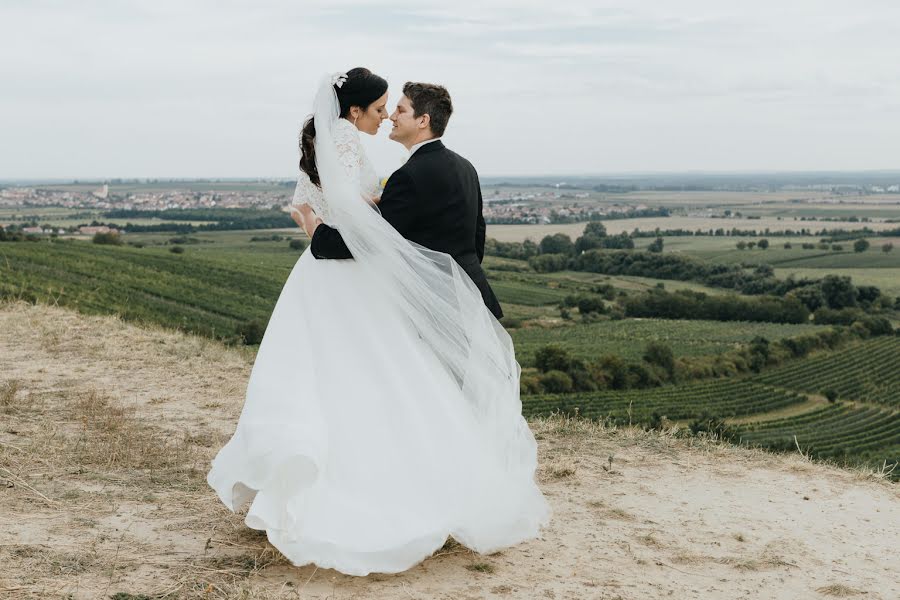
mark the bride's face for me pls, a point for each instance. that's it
(369, 120)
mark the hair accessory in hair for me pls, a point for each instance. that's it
(338, 79)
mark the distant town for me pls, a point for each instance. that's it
(90, 207)
(531, 206)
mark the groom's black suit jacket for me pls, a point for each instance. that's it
(435, 201)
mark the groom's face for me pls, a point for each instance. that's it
(407, 128)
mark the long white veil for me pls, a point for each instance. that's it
(435, 294)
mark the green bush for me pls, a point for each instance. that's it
(558, 243)
(549, 263)
(110, 238)
(552, 357)
(251, 332)
(511, 322)
(588, 304)
(556, 382)
(712, 425)
(661, 355)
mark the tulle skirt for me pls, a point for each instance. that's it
(355, 448)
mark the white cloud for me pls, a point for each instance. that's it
(206, 88)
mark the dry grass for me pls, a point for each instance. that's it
(561, 472)
(839, 591)
(109, 438)
(481, 567)
(88, 431)
(8, 391)
(83, 455)
(768, 557)
(650, 541)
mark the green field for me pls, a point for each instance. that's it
(888, 280)
(723, 249)
(868, 372)
(721, 398)
(211, 296)
(840, 432)
(862, 427)
(628, 338)
(223, 280)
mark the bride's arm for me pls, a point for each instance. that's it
(305, 218)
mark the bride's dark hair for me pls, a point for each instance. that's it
(362, 88)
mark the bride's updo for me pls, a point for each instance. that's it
(362, 88)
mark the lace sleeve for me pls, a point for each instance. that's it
(309, 193)
(369, 184)
(350, 154)
(349, 149)
(305, 191)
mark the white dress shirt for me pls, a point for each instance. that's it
(420, 144)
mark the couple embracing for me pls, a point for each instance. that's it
(382, 414)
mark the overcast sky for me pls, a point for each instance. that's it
(159, 88)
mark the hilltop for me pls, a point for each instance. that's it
(107, 428)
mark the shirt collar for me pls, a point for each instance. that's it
(420, 144)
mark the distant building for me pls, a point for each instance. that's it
(89, 230)
(102, 193)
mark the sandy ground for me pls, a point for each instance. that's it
(106, 431)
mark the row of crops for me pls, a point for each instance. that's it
(863, 430)
(195, 293)
(868, 372)
(721, 398)
(629, 337)
(843, 432)
(518, 292)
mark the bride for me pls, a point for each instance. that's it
(382, 414)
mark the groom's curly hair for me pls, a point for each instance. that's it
(362, 88)
(432, 100)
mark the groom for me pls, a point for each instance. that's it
(435, 198)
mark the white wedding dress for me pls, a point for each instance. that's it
(356, 448)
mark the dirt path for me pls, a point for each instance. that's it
(106, 431)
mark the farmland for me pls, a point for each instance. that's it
(723, 398)
(869, 372)
(223, 283)
(628, 338)
(841, 432)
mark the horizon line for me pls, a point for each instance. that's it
(617, 174)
